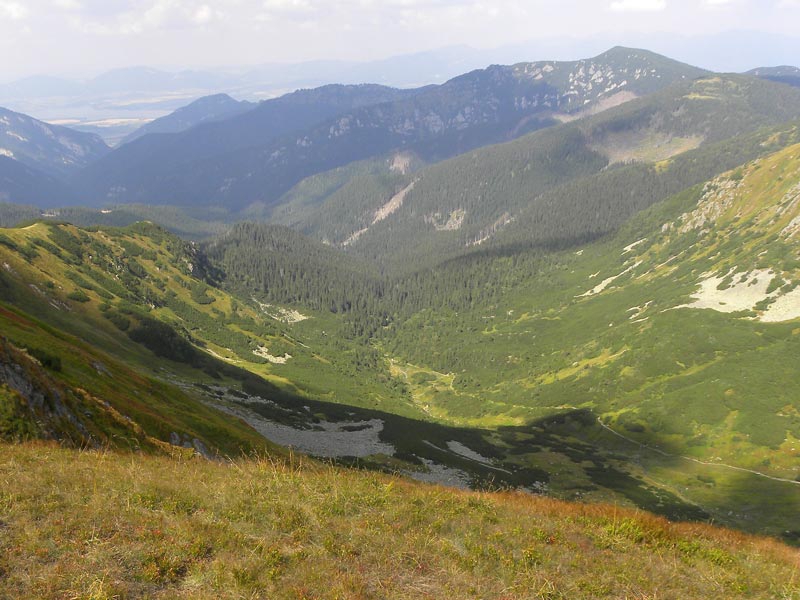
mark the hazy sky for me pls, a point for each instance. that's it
(86, 36)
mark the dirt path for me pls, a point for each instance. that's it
(695, 460)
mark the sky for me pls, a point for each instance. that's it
(84, 37)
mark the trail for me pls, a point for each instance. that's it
(488, 465)
(414, 397)
(695, 460)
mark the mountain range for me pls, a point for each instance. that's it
(221, 152)
(472, 110)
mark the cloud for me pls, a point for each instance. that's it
(68, 4)
(13, 10)
(638, 5)
(205, 14)
(288, 5)
(121, 18)
(296, 11)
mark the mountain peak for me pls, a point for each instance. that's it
(203, 110)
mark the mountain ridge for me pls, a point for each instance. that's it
(484, 192)
(468, 111)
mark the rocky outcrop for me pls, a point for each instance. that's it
(34, 398)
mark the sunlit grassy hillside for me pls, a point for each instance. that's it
(105, 525)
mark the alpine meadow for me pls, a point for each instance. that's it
(399, 329)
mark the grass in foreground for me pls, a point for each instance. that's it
(111, 525)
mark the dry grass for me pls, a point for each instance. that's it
(109, 525)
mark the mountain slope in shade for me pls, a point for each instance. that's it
(151, 168)
(785, 74)
(202, 110)
(51, 148)
(22, 184)
(475, 109)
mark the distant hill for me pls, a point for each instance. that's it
(202, 110)
(785, 74)
(243, 161)
(51, 148)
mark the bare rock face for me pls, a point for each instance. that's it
(38, 400)
(184, 441)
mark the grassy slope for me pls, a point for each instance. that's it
(99, 525)
(153, 271)
(83, 296)
(112, 403)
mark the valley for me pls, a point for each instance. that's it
(565, 293)
(577, 380)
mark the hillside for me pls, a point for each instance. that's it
(202, 225)
(181, 163)
(51, 148)
(574, 348)
(22, 184)
(125, 330)
(88, 302)
(117, 334)
(436, 122)
(576, 372)
(677, 334)
(785, 74)
(163, 528)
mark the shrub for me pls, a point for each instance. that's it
(78, 296)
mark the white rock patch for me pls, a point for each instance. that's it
(359, 438)
(284, 315)
(467, 452)
(630, 247)
(608, 281)
(263, 352)
(453, 222)
(354, 236)
(441, 474)
(743, 293)
(785, 308)
(401, 163)
(392, 205)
